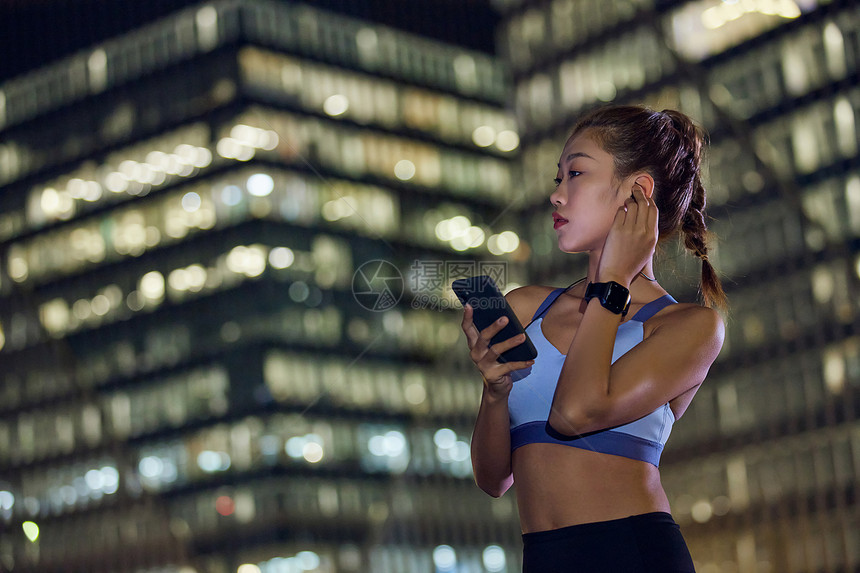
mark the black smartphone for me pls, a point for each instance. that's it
(489, 304)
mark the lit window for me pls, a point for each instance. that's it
(507, 140)
(540, 98)
(260, 184)
(404, 170)
(206, 20)
(97, 67)
(445, 558)
(151, 286)
(706, 27)
(484, 136)
(249, 261)
(336, 105)
(505, 242)
(845, 124)
(211, 461)
(466, 73)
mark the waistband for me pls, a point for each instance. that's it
(600, 527)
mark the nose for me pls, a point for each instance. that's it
(556, 197)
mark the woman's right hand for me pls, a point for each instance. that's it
(497, 375)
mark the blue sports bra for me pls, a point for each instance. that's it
(534, 387)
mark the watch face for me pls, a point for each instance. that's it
(615, 297)
(612, 296)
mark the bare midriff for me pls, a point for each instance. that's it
(558, 486)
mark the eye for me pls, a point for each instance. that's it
(573, 174)
(557, 181)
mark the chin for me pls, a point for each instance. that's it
(570, 249)
(580, 242)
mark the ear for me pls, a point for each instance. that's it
(645, 182)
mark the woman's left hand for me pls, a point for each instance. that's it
(631, 240)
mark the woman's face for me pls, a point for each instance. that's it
(586, 197)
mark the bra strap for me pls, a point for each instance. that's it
(547, 301)
(654, 307)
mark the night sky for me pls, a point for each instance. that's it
(36, 32)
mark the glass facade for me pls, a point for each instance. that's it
(762, 471)
(189, 379)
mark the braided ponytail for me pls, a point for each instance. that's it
(695, 232)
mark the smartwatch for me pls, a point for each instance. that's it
(612, 296)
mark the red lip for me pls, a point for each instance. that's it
(558, 221)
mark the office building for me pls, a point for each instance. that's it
(200, 222)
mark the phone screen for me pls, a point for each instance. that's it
(489, 304)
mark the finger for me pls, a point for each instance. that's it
(632, 209)
(508, 343)
(492, 358)
(486, 358)
(504, 368)
(493, 352)
(653, 216)
(482, 346)
(640, 204)
(481, 341)
(647, 213)
(651, 205)
(493, 329)
(469, 327)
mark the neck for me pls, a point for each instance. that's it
(637, 281)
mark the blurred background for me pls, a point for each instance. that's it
(228, 230)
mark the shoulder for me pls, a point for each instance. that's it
(525, 300)
(700, 323)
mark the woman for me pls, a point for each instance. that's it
(580, 429)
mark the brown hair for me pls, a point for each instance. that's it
(667, 145)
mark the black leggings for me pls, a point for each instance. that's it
(646, 543)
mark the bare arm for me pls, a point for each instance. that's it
(491, 445)
(491, 439)
(593, 395)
